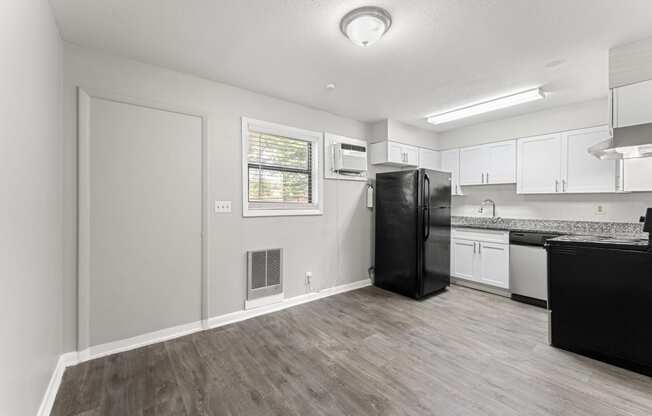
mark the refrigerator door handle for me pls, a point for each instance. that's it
(426, 206)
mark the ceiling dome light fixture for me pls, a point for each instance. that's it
(366, 25)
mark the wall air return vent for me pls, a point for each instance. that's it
(264, 277)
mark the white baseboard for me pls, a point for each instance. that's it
(238, 316)
(143, 340)
(97, 351)
(65, 360)
(114, 347)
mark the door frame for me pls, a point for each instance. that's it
(84, 96)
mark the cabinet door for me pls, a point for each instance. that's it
(450, 162)
(502, 163)
(581, 171)
(395, 153)
(539, 164)
(464, 252)
(429, 159)
(411, 155)
(474, 163)
(637, 174)
(494, 264)
(632, 104)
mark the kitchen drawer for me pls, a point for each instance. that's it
(477, 234)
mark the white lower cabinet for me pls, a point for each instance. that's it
(463, 260)
(494, 264)
(481, 256)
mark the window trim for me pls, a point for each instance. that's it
(254, 209)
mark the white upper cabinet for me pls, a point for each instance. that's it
(631, 104)
(502, 163)
(560, 163)
(394, 154)
(489, 164)
(539, 164)
(581, 171)
(450, 162)
(429, 159)
(474, 162)
(637, 175)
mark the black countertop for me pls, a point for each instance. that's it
(627, 242)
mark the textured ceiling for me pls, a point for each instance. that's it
(438, 54)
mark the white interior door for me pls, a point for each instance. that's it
(582, 172)
(539, 164)
(141, 211)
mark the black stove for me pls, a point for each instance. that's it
(600, 297)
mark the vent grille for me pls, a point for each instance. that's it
(264, 273)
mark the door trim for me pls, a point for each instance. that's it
(84, 96)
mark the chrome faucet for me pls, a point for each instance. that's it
(493, 207)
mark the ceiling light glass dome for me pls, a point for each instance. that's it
(366, 25)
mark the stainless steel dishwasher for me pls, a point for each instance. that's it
(528, 267)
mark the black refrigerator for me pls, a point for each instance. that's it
(412, 233)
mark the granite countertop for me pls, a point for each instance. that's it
(619, 230)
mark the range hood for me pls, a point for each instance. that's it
(629, 142)
(630, 88)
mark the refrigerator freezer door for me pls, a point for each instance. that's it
(397, 232)
(436, 204)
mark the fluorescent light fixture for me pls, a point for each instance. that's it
(366, 25)
(487, 106)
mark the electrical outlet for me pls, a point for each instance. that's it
(599, 210)
(308, 278)
(222, 206)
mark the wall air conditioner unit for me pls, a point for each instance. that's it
(349, 158)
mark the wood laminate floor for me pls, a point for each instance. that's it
(367, 352)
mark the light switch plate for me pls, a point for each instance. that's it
(222, 206)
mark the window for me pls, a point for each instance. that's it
(281, 174)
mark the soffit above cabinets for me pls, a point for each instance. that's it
(437, 54)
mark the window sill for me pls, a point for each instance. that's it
(280, 212)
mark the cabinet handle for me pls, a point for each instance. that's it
(479, 248)
(556, 185)
(563, 185)
(487, 178)
(474, 247)
(483, 178)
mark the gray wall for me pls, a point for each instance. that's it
(31, 224)
(617, 207)
(335, 246)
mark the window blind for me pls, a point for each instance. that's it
(280, 169)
